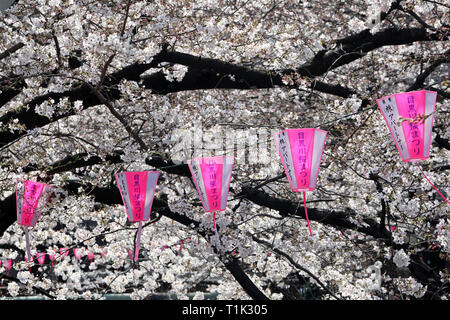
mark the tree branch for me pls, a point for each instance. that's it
(127, 10)
(359, 46)
(444, 58)
(118, 116)
(28, 117)
(13, 49)
(198, 78)
(336, 219)
(295, 264)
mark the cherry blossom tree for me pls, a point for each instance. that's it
(91, 88)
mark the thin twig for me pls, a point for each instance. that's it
(104, 69)
(295, 264)
(118, 116)
(126, 18)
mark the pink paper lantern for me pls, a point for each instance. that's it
(30, 197)
(63, 252)
(409, 117)
(52, 258)
(76, 254)
(137, 190)
(212, 176)
(301, 152)
(40, 257)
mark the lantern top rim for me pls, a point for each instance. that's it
(303, 190)
(202, 159)
(153, 171)
(405, 92)
(290, 129)
(26, 180)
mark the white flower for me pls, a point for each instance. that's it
(78, 105)
(24, 276)
(13, 289)
(401, 259)
(356, 24)
(46, 108)
(54, 3)
(411, 287)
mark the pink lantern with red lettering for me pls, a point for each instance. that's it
(31, 197)
(137, 190)
(212, 177)
(301, 153)
(409, 117)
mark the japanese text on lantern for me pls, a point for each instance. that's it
(392, 122)
(196, 172)
(121, 178)
(213, 184)
(413, 127)
(303, 173)
(284, 153)
(20, 189)
(137, 197)
(28, 208)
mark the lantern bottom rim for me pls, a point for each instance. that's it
(415, 159)
(303, 190)
(215, 210)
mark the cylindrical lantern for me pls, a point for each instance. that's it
(137, 190)
(30, 198)
(409, 117)
(301, 152)
(212, 177)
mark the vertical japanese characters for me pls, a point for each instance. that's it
(137, 190)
